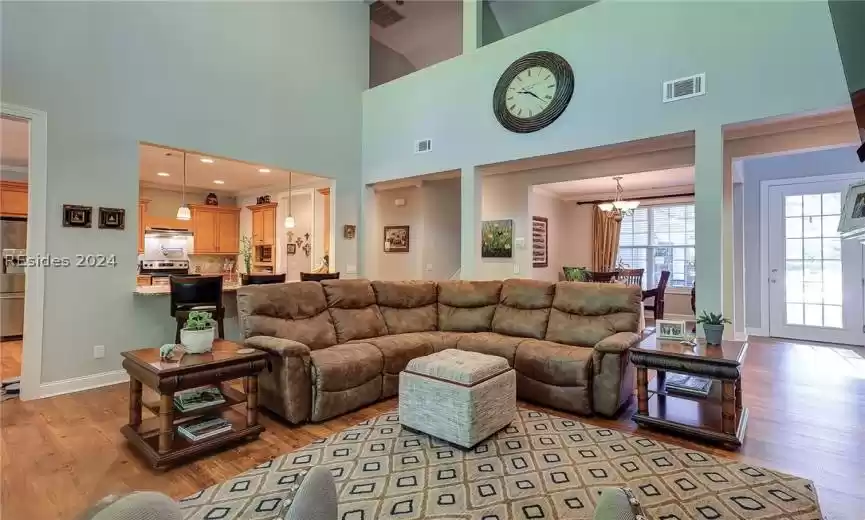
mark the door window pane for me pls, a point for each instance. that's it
(811, 205)
(794, 314)
(794, 249)
(832, 248)
(833, 316)
(830, 226)
(812, 248)
(812, 227)
(793, 206)
(794, 227)
(814, 315)
(833, 288)
(831, 203)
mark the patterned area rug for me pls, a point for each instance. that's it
(541, 466)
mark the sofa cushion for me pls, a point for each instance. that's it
(585, 313)
(296, 311)
(467, 306)
(554, 363)
(353, 309)
(397, 350)
(491, 343)
(524, 308)
(345, 366)
(407, 306)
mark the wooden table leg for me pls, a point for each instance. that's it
(661, 376)
(728, 407)
(134, 403)
(251, 400)
(166, 422)
(642, 391)
(738, 399)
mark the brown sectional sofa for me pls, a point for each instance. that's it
(339, 345)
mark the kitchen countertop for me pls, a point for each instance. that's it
(156, 290)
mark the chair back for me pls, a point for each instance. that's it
(602, 276)
(662, 282)
(188, 292)
(261, 279)
(317, 277)
(632, 276)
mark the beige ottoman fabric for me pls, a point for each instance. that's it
(459, 396)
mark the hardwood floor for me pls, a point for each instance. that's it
(807, 406)
(10, 359)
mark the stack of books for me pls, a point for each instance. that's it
(195, 398)
(204, 428)
(688, 385)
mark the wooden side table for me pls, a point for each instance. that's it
(156, 438)
(719, 417)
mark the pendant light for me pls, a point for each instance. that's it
(289, 220)
(618, 207)
(183, 212)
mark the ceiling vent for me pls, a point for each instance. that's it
(383, 15)
(423, 146)
(684, 88)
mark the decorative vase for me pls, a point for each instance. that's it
(714, 333)
(197, 341)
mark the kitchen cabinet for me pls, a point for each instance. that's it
(263, 224)
(216, 229)
(142, 213)
(13, 199)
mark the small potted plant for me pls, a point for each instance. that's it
(713, 326)
(197, 335)
(246, 253)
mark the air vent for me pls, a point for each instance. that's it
(423, 146)
(684, 88)
(383, 15)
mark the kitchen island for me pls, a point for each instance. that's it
(154, 324)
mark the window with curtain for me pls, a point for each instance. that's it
(660, 238)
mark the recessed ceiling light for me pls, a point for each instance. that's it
(218, 182)
(264, 170)
(163, 174)
(207, 160)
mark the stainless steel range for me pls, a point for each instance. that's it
(13, 237)
(166, 252)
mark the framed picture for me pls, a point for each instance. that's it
(539, 242)
(852, 223)
(349, 231)
(396, 239)
(112, 218)
(291, 249)
(497, 239)
(670, 329)
(77, 216)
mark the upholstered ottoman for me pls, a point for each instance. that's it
(458, 396)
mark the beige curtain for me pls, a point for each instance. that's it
(605, 240)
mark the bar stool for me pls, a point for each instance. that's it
(196, 293)
(261, 279)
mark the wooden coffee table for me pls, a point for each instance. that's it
(719, 417)
(156, 438)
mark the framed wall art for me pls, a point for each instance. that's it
(396, 239)
(540, 248)
(112, 218)
(852, 223)
(497, 238)
(349, 231)
(77, 216)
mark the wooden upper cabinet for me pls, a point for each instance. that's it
(13, 199)
(142, 216)
(263, 224)
(216, 229)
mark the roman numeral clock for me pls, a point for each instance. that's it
(533, 91)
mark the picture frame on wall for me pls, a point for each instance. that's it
(497, 238)
(540, 247)
(396, 239)
(291, 249)
(671, 329)
(349, 231)
(852, 223)
(112, 218)
(77, 216)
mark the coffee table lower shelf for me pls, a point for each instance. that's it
(146, 440)
(696, 417)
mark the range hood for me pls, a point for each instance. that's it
(163, 232)
(848, 19)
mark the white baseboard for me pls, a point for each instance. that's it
(754, 331)
(679, 317)
(77, 384)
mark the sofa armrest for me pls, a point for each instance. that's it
(286, 387)
(279, 346)
(618, 343)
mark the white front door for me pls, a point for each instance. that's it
(815, 279)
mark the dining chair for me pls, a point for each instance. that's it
(261, 279)
(196, 293)
(602, 276)
(631, 276)
(657, 306)
(317, 277)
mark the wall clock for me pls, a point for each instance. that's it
(533, 91)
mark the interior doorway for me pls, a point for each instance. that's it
(815, 278)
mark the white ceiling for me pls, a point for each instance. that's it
(14, 142)
(238, 176)
(634, 182)
(432, 31)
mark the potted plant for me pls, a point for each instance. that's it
(713, 326)
(197, 335)
(246, 253)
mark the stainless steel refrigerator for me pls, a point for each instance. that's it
(13, 241)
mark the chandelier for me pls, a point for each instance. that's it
(618, 208)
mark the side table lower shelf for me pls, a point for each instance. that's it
(689, 416)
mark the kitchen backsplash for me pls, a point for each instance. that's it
(210, 264)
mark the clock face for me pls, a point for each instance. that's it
(533, 92)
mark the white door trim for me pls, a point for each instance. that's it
(763, 329)
(34, 301)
